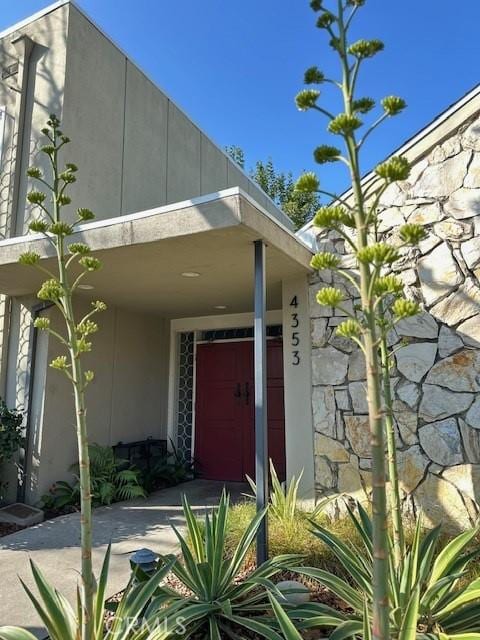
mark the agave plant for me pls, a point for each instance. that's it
(283, 496)
(221, 601)
(134, 618)
(429, 596)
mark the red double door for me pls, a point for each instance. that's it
(225, 410)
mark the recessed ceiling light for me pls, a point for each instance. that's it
(85, 287)
(220, 306)
(190, 274)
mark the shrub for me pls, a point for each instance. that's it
(11, 432)
(171, 469)
(112, 480)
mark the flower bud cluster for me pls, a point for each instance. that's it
(393, 105)
(85, 214)
(36, 197)
(60, 363)
(326, 153)
(325, 20)
(43, 324)
(38, 226)
(349, 329)
(98, 305)
(395, 169)
(412, 233)
(325, 260)
(50, 290)
(363, 105)
(34, 172)
(29, 258)
(307, 99)
(378, 254)
(61, 229)
(313, 75)
(403, 308)
(308, 182)
(333, 217)
(86, 328)
(344, 124)
(78, 248)
(330, 297)
(388, 285)
(365, 48)
(90, 264)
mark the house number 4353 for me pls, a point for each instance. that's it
(295, 332)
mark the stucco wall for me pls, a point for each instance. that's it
(437, 354)
(135, 148)
(42, 87)
(126, 402)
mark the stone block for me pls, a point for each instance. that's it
(439, 274)
(459, 372)
(470, 331)
(323, 404)
(329, 366)
(358, 434)
(438, 403)
(441, 442)
(448, 342)
(414, 360)
(464, 203)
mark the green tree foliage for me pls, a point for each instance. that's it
(300, 206)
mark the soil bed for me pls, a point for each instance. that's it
(317, 594)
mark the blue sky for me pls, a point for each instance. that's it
(235, 67)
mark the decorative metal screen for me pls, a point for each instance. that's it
(185, 394)
(273, 331)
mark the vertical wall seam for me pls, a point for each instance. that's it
(122, 176)
(201, 163)
(166, 155)
(114, 362)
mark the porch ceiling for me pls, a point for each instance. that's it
(144, 255)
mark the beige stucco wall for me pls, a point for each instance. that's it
(127, 400)
(298, 380)
(42, 85)
(128, 132)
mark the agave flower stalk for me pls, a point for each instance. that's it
(73, 263)
(398, 534)
(354, 218)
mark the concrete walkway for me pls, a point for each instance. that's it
(54, 545)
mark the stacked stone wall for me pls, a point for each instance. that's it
(436, 376)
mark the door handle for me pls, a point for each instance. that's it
(238, 391)
(247, 393)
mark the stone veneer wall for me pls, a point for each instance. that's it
(437, 374)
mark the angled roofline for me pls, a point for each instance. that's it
(423, 141)
(35, 16)
(73, 3)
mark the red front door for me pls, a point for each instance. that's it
(225, 410)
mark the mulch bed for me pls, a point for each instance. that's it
(6, 528)
(318, 593)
